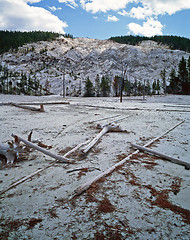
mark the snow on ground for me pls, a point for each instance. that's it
(146, 198)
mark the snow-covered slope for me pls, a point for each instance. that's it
(80, 58)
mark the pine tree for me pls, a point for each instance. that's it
(158, 86)
(173, 82)
(97, 86)
(105, 86)
(89, 90)
(127, 87)
(188, 68)
(183, 76)
(148, 88)
(154, 87)
(163, 77)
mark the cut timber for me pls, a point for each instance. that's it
(174, 160)
(59, 158)
(106, 128)
(87, 185)
(41, 109)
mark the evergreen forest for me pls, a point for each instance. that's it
(174, 42)
(14, 39)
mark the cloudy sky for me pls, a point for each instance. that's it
(98, 18)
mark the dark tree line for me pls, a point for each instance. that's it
(174, 42)
(20, 83)
(102, 87)
(14, 39)
(180, 79)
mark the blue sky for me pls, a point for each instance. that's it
(99, 19)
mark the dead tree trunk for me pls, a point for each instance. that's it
(106, 128)
(174, 160)
(57, 157)
(88, 184)
(41, 109)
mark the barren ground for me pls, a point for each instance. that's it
(145, 198)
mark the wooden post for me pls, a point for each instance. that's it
(174, 160)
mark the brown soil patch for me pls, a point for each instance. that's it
(105, 206)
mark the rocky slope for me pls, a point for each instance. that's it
(79, 58)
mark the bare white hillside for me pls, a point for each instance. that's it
(80, 58)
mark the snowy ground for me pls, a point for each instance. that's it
(146, 198)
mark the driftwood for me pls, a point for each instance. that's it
(26, 178)
(76, 148)
(85, 169)
(41, 109)
(57, 157)
(87, 185)
(106, 128)
(37, 103)
(171, 159)
(101, 119)
(40, 170)
(10, 151)
(119, 120)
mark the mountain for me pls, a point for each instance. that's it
(76, 59)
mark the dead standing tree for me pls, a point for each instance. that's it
(122, 80)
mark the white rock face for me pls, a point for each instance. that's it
(80, 58)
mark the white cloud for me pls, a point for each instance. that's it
(158, 7)
(141, 12)
(150, 28)
(112, 19)
(53, 8)
(150, 7)
(123, 13)
(104, 5)
(70, 3)
(18, 15)
(166, 6)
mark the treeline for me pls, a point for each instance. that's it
(174, 42)
(14, 39)
(103, 86)
(180, 78)
(20, 83)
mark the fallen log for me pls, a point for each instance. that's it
(106, 128)
(87, 185)
(39, 103)
(41, 109)
(101, 119)
(57, 157)
(26, 178)
(38, 171)
(118, 120)
(171, 159)
(76, 148)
